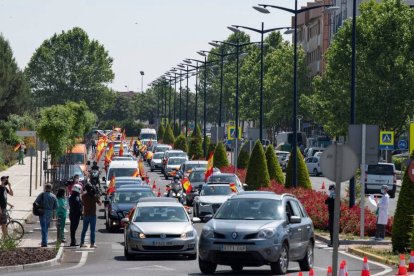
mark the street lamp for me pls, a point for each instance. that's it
(142, 81)
(262, 31)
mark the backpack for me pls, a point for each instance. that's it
(38, 209)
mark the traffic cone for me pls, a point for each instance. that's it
(300, 273)
(154, 187)
(402, 269)
(159, 192)
(323, 185)
(329, 271)
(342, 269)
(345, 267)
(411, 263)
(365, 268)
(311, 273)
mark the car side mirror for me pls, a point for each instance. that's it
(125, 220)
(196, 220)
(295, 219)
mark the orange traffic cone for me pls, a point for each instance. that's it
(159, 192)
(323, 185)
(411, 263)
(311, 273)
(154, 187)
(300, 273)
(402, 269)
(345, 267)
(342, 269)
(365, 268)
(329, 273)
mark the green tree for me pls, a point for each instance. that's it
(220, 156)
(181, 143)
(160, 132)
(243, 159)
(14, 89)
(168, 136)
(84, 119)
(273, 166)
(208, 142)
(195, 147)
(257, 175)
(303, 174)
(71, 67)
(385, 75)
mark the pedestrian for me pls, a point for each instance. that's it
(89, 199)
(5, 189)
(382, 212)
(61, 212)
(48, 202)
(75, 212)
(21, 153)
(93, 144)
(330, 201)
(74, 182)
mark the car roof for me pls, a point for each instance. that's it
(174, 151)
(158, 201)
(127, 178)
(223, 174)
(196, 162)
(163, 145)
(259, 194)
(176, 157)
(127, 164)
(130, 188)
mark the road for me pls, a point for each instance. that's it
(108, 258)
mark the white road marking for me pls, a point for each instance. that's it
(386, 271)
(151, 268)
(81, 263)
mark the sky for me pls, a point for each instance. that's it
(140, 35)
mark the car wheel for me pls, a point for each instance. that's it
(307, 262)
(106, 223)
(127, 255)
(206, 267)
(281, 266)
(192, 256)
(315, 172)
(237, 268)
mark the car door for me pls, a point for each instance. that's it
(304, 227)
(294, 231)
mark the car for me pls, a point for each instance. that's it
(285, 163)
(197, 179)
(77, 155)
(124, 181)
(281, 156)
(172, 166)
(161, 148)
(255, 229)
(172, 153)
(189, 165)
(210, 199)
(148, 134)
(121, 202)
(378, 175)
(160, 226)
(156, 161)
(65, 174)
(120, 168)
(226, 178)
(313, 165)
(311, 151)
(125, 157)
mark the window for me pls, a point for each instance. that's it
(295, 208)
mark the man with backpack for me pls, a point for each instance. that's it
(48, 202)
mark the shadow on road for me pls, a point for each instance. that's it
(153, 258)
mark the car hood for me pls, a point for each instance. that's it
(173, 166)
(156, 160)
(122, 206)
(242, 225)
(213, 199)
(163, 227)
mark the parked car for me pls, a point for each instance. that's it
(160, 226)
(156, 161)
(310, 152)
(313, 165)
(173, 165)
(378, 175)
(255, 229)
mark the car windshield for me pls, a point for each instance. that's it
(380, 169)
(197, 176)
(160, 214)
(130, 196)
(222, 179)
(149, 136)
(161, 149)
(189, 167)
(158, 155)
(250, 209)
(72, 171)
(176, 161)
(213, 190)
(73, 158)
(122, 158)
(119, 184)
(118, 172)
(177, 154)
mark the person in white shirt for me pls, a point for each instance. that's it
(382, 212)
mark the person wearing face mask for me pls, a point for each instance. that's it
(330, 201)
(382, 213)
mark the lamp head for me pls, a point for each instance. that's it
(331, 9)
(214, 43)
(261, 9)
(187, 61)
(201, 53)
(234, 29)
(290, 31)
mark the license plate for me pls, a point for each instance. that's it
(236, 248)
(161, 243)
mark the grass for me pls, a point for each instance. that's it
(384, 252)
(348, 236)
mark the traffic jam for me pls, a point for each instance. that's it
(241, 228)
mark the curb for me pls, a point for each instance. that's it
(372, 257)
(352, 242)
(25, 267)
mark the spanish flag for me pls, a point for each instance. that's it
(100, 148)
(141, 167)
(233, 187)
(109, 153)
(136, 173)
(111, 186)
(209, 170)
(16, 147)
(186, 185)
(121, 149)
(149, 155)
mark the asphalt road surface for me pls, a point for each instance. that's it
(108, 258)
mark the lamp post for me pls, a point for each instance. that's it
(196, 67)
(142, 81)
(175, 89)
(164, 84)
(262, 31)
(187, 70)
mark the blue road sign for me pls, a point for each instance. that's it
(403, 144)
(385, 147)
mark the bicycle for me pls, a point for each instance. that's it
(15, 229)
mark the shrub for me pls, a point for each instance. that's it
(195, 148)
(303, 174)
(220, 156)
(273, 166)
(257, 174)
(160, 132)
(168, 137)
(243, 159)
(181, 143)
(208, 142)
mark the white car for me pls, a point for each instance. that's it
(313, 165)
(156, 161)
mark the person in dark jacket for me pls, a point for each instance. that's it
(330, 201)
(89, 199)
(49, 203)
(75, 212)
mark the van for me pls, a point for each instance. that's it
(378, 175)
(77, 155)
(148, 134)
(120, 168)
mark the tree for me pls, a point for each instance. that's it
(208, 142)
(160, 132)
(195, 147)
(273, 166)
(303, 174)
(385, 74)
(257, 175)
(243, 159)
(176, 129)
(181, 143)
(14, 89)
(71, 67)
(168, 136)
(84, 119)
(220, 156)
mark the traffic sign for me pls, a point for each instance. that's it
(231, 133)
(402, 144)
(347, 162)
(386, 140)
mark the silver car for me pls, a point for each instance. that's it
(257, 228)
(210, 199)
(160, 226)
(156, 161)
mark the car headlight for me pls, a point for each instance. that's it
(188, 234)
(207, 233)
(138, 235)
(266, 233)
(204, 204)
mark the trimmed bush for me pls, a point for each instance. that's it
(197, 133)
(181, 143)
(243, 159)
(160, 133)
(176, 130)
(168, 136)
(257, 174)
(195, 147)
(211, 147)
(273, 166)
(303, 174)
(220, 156)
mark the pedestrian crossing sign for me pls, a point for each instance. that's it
(231, 133)
(386, 138)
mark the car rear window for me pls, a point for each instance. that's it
(380, 169)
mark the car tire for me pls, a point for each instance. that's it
(127, 255)
(281, 266)
(206, 267)
(307, 262)
(315, 172)
(192, 256)
(236, 268)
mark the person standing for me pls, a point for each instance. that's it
(48, 202)
(75, 212)
(89, 199)
(330, 201)
(61, 212)
(5, 189)
(382, 219)
(21, 153)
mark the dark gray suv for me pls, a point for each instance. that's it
(258, 228)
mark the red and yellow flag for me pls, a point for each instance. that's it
(109, 153)
(136, 173)
(100, 148)
(209, 170)
(233, 187)
(186, 185)
(111, 186)
(121, 149)
(16, 147)
(149, 155)
(141, 167)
